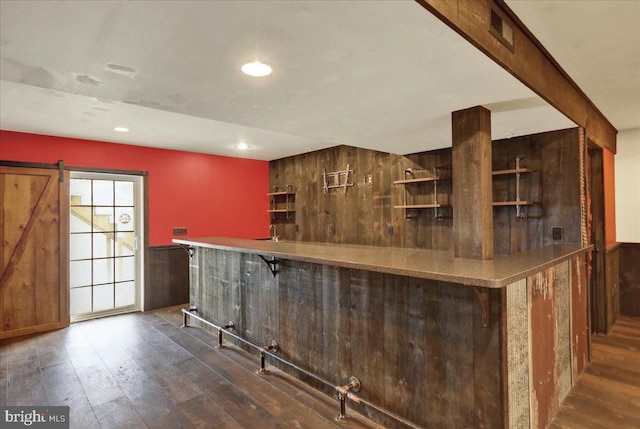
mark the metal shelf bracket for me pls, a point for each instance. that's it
(271, 263)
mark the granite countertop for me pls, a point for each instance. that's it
(426, 264)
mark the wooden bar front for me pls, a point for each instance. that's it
(424, 349)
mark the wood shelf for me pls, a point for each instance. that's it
(420, 206)
(512, 171)
(281, 211)
(420, 180)
(513, 203)
(273, 194)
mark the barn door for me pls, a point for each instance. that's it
(33, 233)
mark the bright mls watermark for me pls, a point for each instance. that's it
(34, 417)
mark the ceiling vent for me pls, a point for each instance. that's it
(125, 71)
(500, 26)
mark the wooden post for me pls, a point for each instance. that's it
(472, 184)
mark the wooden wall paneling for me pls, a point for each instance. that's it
(488, 363)
(543, 359)
(612, 284)
(563, 329)
(366, 320)
(502, 216)
(472, 195)
(382, 204)
(167, 279)
(449, 352)
(561, 184)
(629, 279)
(518, 390)
(337, 349)
(595, 191)
(579, 317)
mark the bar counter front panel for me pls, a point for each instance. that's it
(498, 347)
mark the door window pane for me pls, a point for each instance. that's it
(80, 219)
(79, 273)
(80, 246)
(103, 297)
(80, 300)
(124, 244)
(124, 193)
(125, 269)
(103, 219)
(125, 294)
(103, 192)
(103, 245)
(80, 192)
(102, 271)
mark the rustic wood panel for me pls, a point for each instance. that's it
(612, 284)
(518, 390)
(33, 292)
(563, 326)
(167, 277)
(630, 279)
(472, 184)
(554, 185)
(529, 62)
(595, 222)
(579, 317)
(417, 346)
(367, 207)
(543, 342)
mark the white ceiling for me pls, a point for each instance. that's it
(598, 44)
(383, 75)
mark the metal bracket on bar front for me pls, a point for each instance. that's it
(482, 293)
(189, 249)
(271, 263)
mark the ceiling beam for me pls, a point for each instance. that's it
(528, 61)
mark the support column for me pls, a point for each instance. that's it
(472, 195)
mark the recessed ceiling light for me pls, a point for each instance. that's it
(121, 129)
(242, 146)
(257, 69)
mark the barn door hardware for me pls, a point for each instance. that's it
(337, 179)
(271, 263)
(482, 293)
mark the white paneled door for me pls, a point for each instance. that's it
(105, 227)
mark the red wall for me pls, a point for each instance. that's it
(210, 195)
(609, 196)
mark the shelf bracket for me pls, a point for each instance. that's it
(189, 249)
(271, 263)
(482, 293)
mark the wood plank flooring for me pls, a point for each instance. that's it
(607, 395)
(142, 370)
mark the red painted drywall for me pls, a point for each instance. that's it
(210, 195)
(609, 196)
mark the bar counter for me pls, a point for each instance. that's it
(437, 340)
(424, 264)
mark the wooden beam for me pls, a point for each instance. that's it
(528, 61)
(472, 184)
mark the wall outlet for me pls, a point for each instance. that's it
(389, 230)
(331, 229)
(556, 233)
(180, 231)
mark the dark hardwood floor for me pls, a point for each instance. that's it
(607, 395)
(142, 370)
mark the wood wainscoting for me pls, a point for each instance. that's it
(629, 256)
(166, 277)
